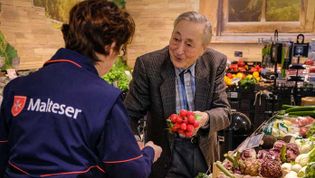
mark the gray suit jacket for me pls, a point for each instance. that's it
(152, 92)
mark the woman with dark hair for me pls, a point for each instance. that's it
(64, 120)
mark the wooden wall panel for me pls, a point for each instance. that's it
(154, 23)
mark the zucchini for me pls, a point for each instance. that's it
(302, 113)
(286, 106)
(300, 108)
(281, 112)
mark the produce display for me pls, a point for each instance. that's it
(241, 73)
(298, 110)
(119, 75)
(183, 123)
(8, 54)
(286, 149)
(5, 79)
(289, 125)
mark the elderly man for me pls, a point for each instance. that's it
(184, 75)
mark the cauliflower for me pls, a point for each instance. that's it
(291, 174)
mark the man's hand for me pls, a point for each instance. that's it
(203, 120)
(157, 150)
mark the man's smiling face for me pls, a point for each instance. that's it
(185, 45)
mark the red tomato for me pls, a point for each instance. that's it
(241, 63)
(233, 67)
(242, 69)
(229, 75)
(253, 69)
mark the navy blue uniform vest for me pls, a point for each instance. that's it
(65, 121)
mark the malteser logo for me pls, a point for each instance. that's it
(49, 106)
(43, 106)
(18, 105)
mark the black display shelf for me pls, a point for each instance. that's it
(296, 79)
(296, 66)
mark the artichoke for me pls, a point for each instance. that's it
(250, 166)
(271, 168)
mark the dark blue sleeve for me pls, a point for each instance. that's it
(119, 149)
(4, 132)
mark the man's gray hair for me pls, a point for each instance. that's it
(193, 16)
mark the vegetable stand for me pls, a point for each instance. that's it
(282, 146)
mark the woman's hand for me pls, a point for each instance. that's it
(157, 150)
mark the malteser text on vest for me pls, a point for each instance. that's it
(50, 106)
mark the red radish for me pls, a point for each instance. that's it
(189, 113)
(182, 132)
(183, 126)
(177, 125)
(182, 113)
(173, 118)
(185, 120)
(196, 124)
(174, 129)
(190, 128)
(179, 120)
(184, 123)
(191, 120)
(189, 134)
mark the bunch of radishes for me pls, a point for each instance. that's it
(183, 123)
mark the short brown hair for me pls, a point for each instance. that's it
(94, 24)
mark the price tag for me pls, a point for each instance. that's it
(233, 94)
(243, 145)
(250, 142)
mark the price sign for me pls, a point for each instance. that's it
(255, 141)
(300, 48)
(251, 142)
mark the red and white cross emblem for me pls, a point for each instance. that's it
(18, 105)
